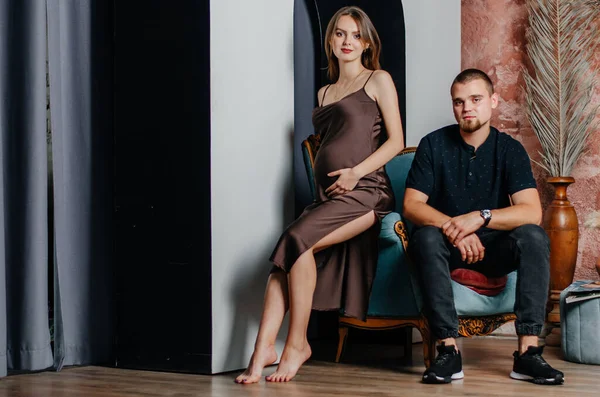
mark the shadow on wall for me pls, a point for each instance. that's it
(248, 292)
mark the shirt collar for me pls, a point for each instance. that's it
(471, 149)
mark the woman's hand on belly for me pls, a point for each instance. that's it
(347, 180)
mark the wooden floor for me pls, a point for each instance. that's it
(486, 363)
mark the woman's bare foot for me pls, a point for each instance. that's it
(260, 359)
(291, 361)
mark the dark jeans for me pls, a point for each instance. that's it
(526, 249)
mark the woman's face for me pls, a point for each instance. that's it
(346, 41)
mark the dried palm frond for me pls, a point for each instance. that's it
(561, 40)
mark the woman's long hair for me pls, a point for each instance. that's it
(368, 35)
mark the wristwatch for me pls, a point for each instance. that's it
(487, 216)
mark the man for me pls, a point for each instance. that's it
(473, 199)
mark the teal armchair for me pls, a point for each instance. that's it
(395, 300)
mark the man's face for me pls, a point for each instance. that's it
(473, 105)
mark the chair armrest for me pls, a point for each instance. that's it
(308, 158)
(387, 234)
(310, 147)
(393, 231)
(402, 232)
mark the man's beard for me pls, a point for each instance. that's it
(470, 126)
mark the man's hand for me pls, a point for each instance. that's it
(471, 248)
(461, 226)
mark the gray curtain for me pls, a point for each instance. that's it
(24, 331)
(77, 37)
(80, 65)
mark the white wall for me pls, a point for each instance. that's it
(433, 46)
(251, 153)
(251, 162)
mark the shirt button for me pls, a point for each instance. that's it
(470, 173)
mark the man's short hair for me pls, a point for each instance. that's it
(468, 75)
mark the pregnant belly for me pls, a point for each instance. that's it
(328, 160)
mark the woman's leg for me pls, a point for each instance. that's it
(301, 281)
(275, 306)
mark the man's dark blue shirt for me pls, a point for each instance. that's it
(459, 179)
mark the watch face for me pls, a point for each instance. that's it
(486, 213)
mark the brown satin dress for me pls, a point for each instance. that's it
(351, 130)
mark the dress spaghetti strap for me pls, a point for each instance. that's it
(365, 81)
(325, 93)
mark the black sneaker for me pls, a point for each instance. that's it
(447, 366)
(531, 366)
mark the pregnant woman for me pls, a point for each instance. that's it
(326, 259)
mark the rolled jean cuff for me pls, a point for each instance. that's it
(446, 333)
(528, 329)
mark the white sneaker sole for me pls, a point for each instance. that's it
(441, 379)
(549, 381)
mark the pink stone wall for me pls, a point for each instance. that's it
(493, 40)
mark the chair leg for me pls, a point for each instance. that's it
(343, 331)
(428, 350)
(428, 343)
(408, 343)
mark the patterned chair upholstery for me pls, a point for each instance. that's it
(395, 300)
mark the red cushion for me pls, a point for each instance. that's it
(489, 286)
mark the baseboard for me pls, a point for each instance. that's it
(182, 363)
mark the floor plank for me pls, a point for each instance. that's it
(486, 362)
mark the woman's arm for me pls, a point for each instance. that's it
(380, 87)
